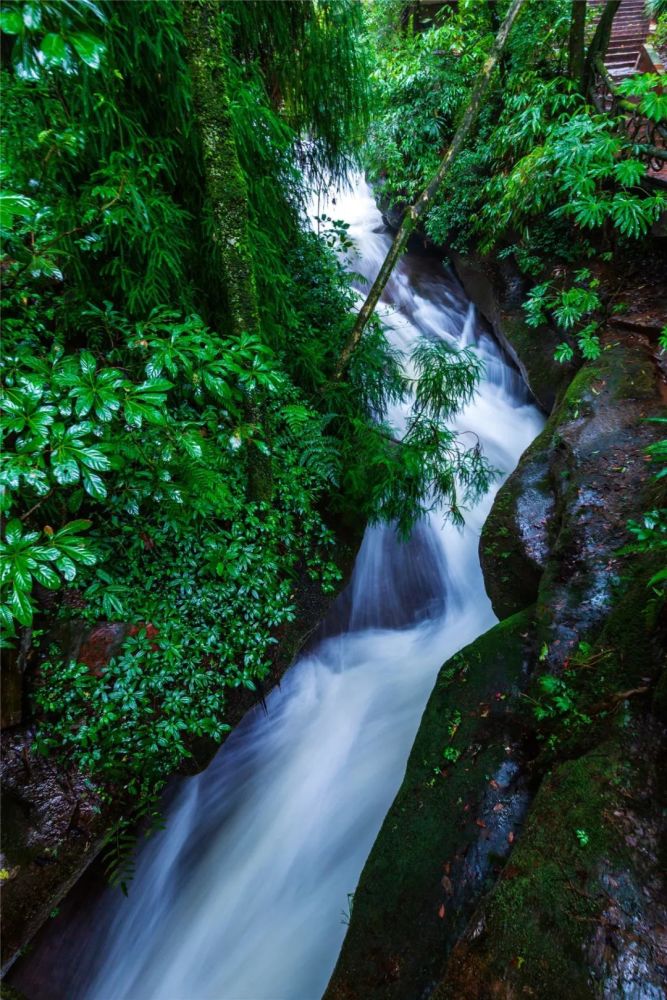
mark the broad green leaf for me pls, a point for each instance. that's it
(13, 206)
(87, 362)
(66, 567)
(13, 531)
(54, 49)
(6, 616)
(21, 606)
(94, 459)
(46, 576)
(66, 471)
(11, 22)
(93, 485)
(72, 528)
(89, 48)
(21, 573)
(32, 15)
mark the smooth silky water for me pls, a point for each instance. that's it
(245, 895)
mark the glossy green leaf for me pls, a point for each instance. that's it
(89, 48)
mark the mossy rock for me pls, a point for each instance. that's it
(528, 939)
(600, 479)
(449, 827)
(579, 907)
(514, 544)
(497, 291)
(535, 348)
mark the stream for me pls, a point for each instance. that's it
(245, 895)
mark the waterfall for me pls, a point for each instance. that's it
(245, 895)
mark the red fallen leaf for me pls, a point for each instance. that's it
(494, 783)
(499, 806)
(481, 823)
(466, 807)
(510, 837)
(441, 911)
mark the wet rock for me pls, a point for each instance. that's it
(579, 907)
(451, 827)
(53, 825)
(559, 522)
(567, 919)
(600, 478)
(514, 545)
(497, 290)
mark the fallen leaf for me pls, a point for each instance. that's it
(499, 806)
(494, 784)
(481, 823)
(510, 837)
(441, 911)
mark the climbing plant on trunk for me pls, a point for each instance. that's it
(225, 184)
(227, 196)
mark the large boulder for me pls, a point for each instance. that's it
(451, 826)
(579, 907)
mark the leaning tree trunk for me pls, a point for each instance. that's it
(226, 194)
(576, 45)
(600, 43)
(425, 200)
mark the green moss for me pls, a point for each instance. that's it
(546, 376)
(511, 574)
(539, 916)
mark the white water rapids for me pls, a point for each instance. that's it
(244, 895)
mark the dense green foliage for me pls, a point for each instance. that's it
(134, 417)
(546, 181)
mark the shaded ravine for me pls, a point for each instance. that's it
(244, 895)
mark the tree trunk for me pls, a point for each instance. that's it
(425, 200)
(576, 47)
(600, 43)
(227, 196)
(226, 189)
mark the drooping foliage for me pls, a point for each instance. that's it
(136, 412)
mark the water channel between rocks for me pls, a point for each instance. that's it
(244, 896)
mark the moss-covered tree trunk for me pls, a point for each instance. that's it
(226, 189)
(226, 194)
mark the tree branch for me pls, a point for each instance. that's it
(425, 200)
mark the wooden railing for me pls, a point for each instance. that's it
(649, 136)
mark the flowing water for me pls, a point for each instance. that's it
(244, 896)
